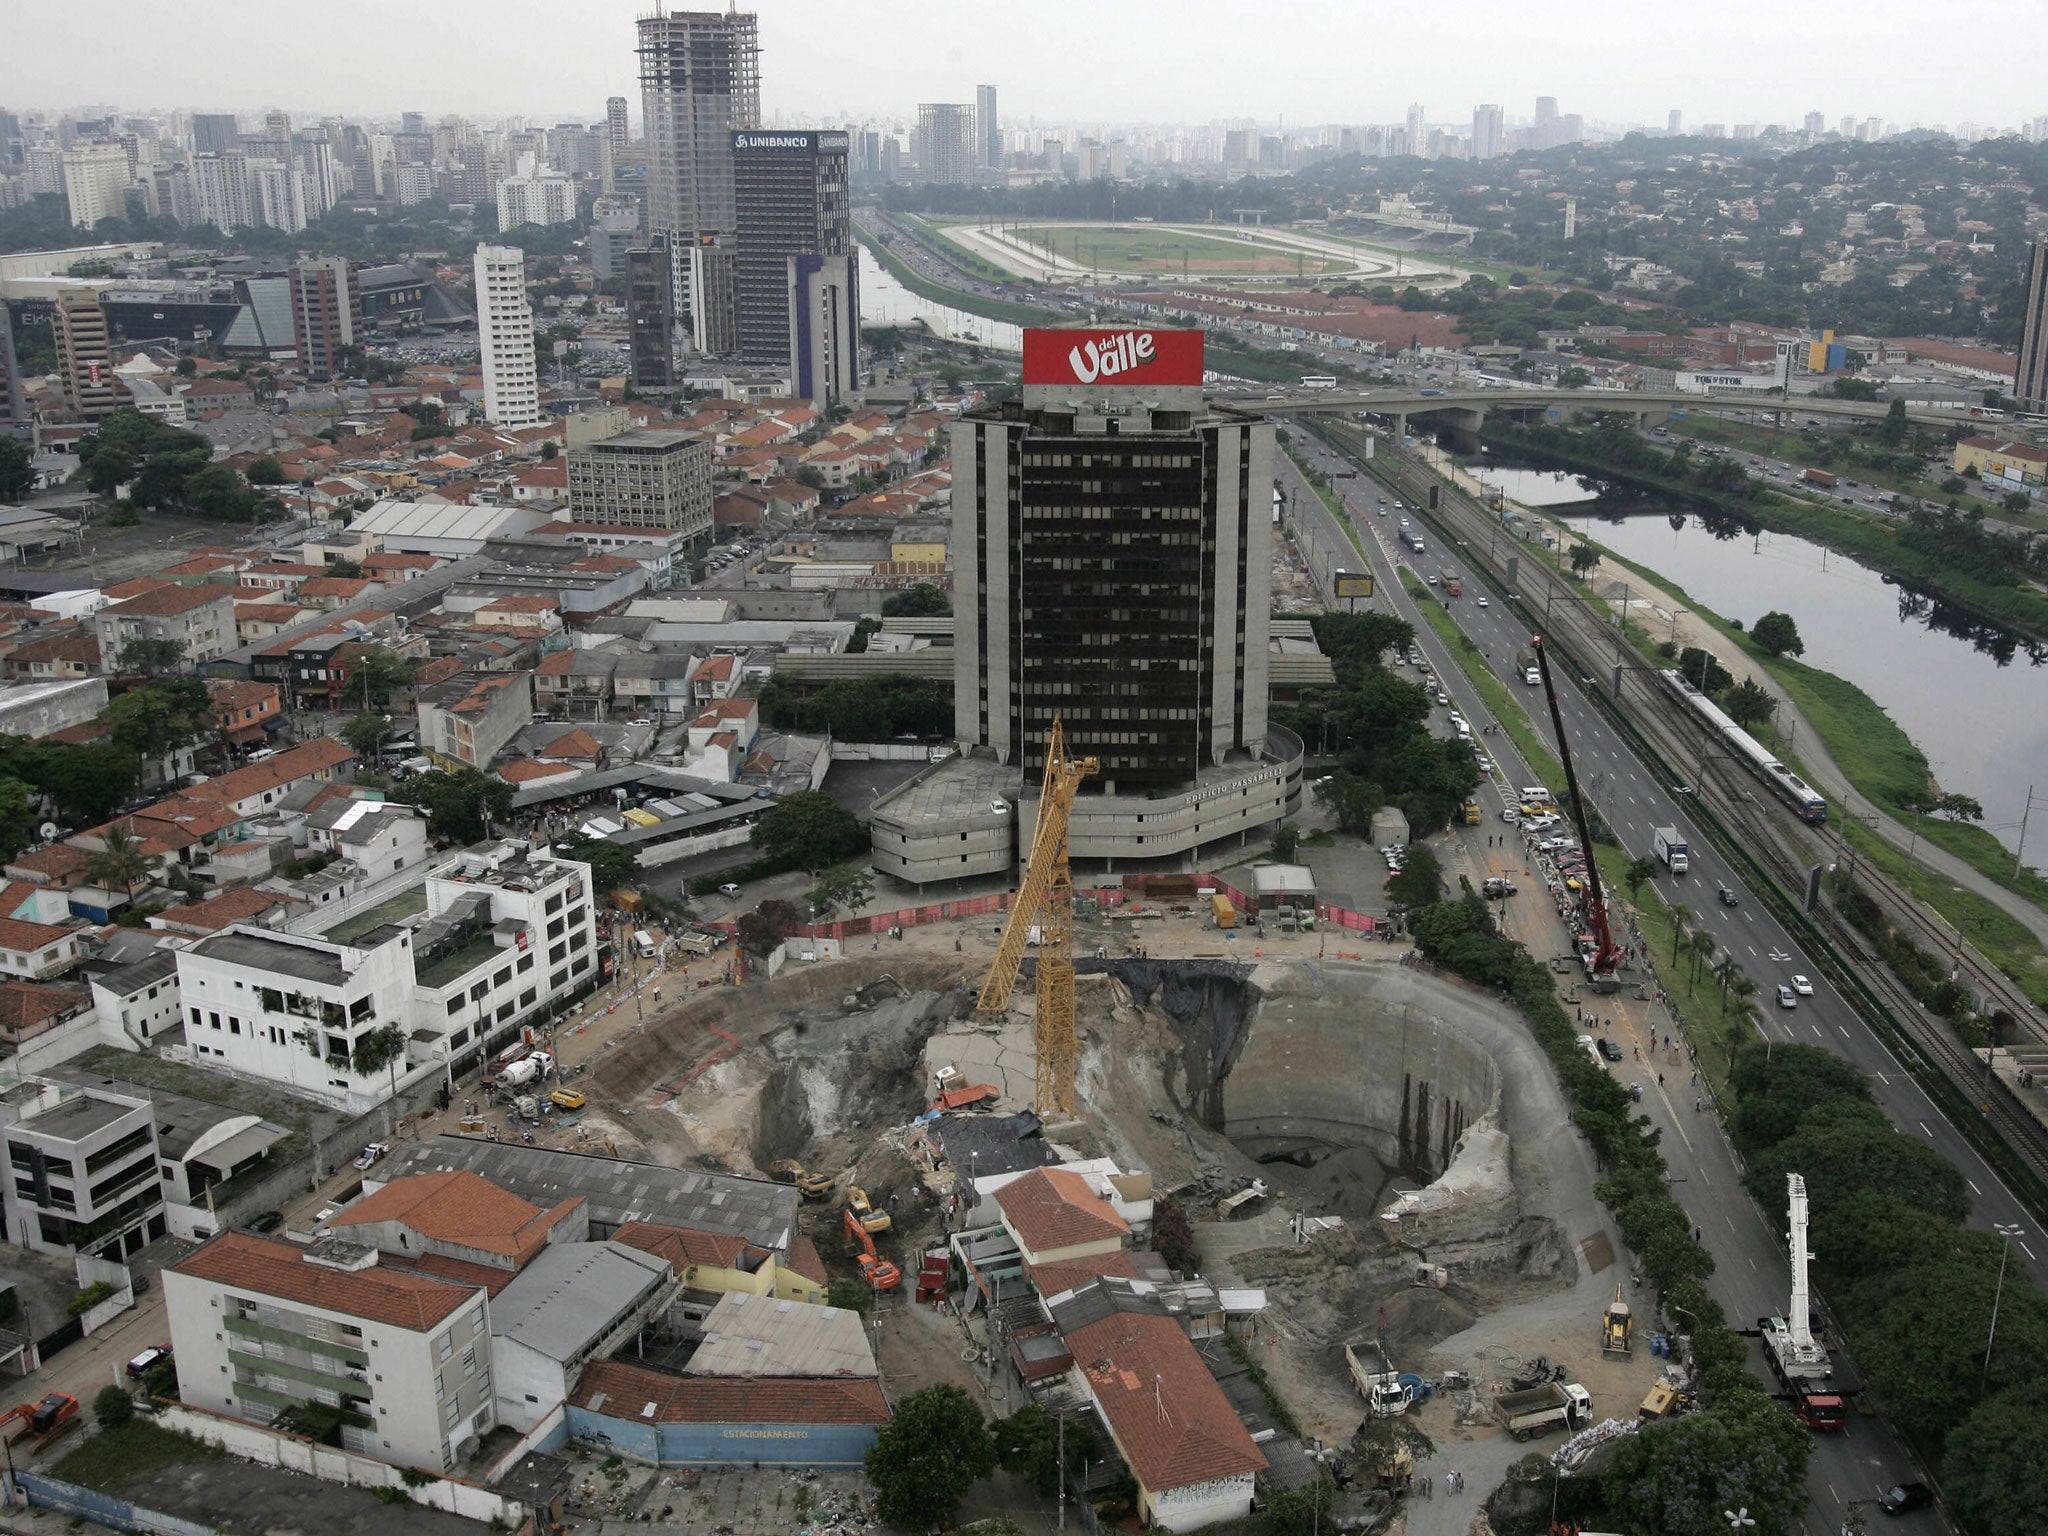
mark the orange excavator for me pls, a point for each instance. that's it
(47, 1420)
(874, 1269)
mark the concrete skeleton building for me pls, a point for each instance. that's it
(2030, 376)
(504, 330)
(1112, 564)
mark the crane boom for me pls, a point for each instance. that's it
(1606, 957)
(1045, 897)
(1798, 1327)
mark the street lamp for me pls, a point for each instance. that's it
(1739, 1519)
(2008, 1232)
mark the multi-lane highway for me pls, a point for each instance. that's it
(1752, 1278)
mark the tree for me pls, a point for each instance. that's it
(459, 803)
(1700, 668)
(1842, 1152)
(1574, 378)
(808, 830)
(923, 601)
(144, 657)
(217, 492)
(849, 1294)
(1748, 703)
(1681, 925)
(1030, 1443)
(120, 863)
(18, 818)
(86, 781)
(1352, 800)
(763, 928)
(265, 470)
(1298, 1511)
(924, 1459)
(1640, 872)
(112, 1407)
(1704, 944)
(376, 674)
(843, 885)
(1286, 843)
(366, 732)
(376, 1049)
(611, 865)
(154, 720)
(1991, 1473)
(110, 469)
(1675, 1478)
(17, 470)
(1776, 635)
(1894, 429)
(1853, 389)
(1421, 881)
(1958, 808)
(1583, 558)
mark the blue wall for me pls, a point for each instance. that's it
(706, 1445)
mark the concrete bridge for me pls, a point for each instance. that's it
(1466, 409)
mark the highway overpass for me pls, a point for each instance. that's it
(1467, 408)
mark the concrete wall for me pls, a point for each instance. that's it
(701, 1445)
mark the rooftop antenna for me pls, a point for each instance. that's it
(1158, 1402)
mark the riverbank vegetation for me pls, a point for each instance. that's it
(958, 298)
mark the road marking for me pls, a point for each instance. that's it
(1973, 1186)
(2029, 1253)
(1925, 1132)
(1844, 1029)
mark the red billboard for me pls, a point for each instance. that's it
(1112, 357)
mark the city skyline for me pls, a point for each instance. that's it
(1599, 58)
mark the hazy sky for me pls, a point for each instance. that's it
(1307, 61)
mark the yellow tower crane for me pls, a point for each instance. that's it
(1045, 897)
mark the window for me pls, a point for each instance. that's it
(469, 1361)
(440, 1383)
(526, 962)
(476, 1323)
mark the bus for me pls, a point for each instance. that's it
(1319, 381)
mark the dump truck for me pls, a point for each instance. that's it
(1472, 814)
(1379, 1383)
(812, 1186)
(1670, 846)
(1537, 1411)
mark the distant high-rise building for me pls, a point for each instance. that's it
(1488, 132)
(648, 478)
(215, 133)
(650, 316)
(535, 194)
(614, 229)
(2030, 378)
(615, 123)
(988, 133)
(412, 122)
(790, 200)
(1816, 124)
(327, 313)
(277, 125)
(504, 332)
(1418, 130)
(275, 195)
(945, 143)
(85, 360)
(1675, 123)
(1546, 110)
(474, 179)
(95, 175)
(1571, 217)
(220, 189)
(699, 82)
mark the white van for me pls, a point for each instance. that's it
(643, 944)
(1536, 792)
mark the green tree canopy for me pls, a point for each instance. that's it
(1703, 670)
(265, 470)
(611, 864)
(808, 830)
(375, 675)
(1028, 1443)
(457, 802)
(843, 885)
(1991, 1473)
(923, 601)
(145, 657)
(1421, 881)
(1352, 800)
(17, 470)
(1583, 558)
(1675, 1478)
(1847, 1149)
(1779, 1087)
(935, 1446)
(156, 719)
(1748, 703)
(366, 732)
(1776, 635)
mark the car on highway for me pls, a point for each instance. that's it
(1482, 602)
(1802, 986)
(139, 1366)
(1787, 998)
(1901, 1497)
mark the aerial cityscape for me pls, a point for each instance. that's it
(864, 769)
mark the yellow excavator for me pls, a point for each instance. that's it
(1045, 901)
(1617, 1328)
(870, 1219)
(812, 1186)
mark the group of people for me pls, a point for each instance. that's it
(1454, 1482)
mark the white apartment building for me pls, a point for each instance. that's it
(535, 194)
(82, 1170)
(259, 1325)
(504, 329)
(276, 195)
(504, 933)
(94, 178)
(220, 187)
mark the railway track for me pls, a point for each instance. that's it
(1778, 849)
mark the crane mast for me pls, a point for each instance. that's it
(1606, 957)
(1045, 897)
(1799, 1340)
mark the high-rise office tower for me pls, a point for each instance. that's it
(2030, 378)
(1418, 130)
(1546, 110)
(1816, 124)
(789, 191)
(412, 122)
(85, 361)
(1674, 124)
(615, 123)
(220, 190)
(214, 133)
(824, 327)
(277, 125)
(1111, 537)
(95, 176)
(945, 143)
(327, 312)
(988, 133)
(699, 82)
(535, 194)
(504, 332)
(650, 323)
(1488, 132)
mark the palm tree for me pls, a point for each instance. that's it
(1727, 970)
(1703, 947)
(1744, 989)
(1681, 923)
(120, 861)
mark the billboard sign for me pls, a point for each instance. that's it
(1069, 357)
(1351, 584)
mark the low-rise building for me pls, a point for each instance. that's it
(83, 1170)
(260, 1325)
(2013, 465)
(666, 1420)
(573, 1303)
(468, 718)
(199, 622)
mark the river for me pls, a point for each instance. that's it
(884, 301)
(1976, 703)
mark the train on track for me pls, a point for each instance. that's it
(1805, 801)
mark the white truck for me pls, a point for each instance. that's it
(1539, 1410)
(527, 1069)
(1670, 846)
(1380, 1385)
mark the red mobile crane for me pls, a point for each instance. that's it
(1602, 963)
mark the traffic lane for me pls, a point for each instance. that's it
(1750, 931)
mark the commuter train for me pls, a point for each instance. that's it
(1783, 782)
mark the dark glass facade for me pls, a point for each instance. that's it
(790, 200)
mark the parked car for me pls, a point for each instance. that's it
(728, 889)
(269, 1221)
(369, 1156)
(140, 1365)
(1608, 1048)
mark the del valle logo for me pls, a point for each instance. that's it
(1108, 358)
(1112, 357)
